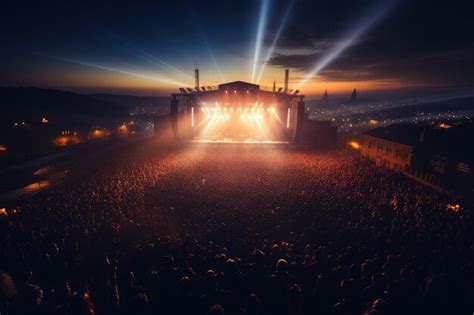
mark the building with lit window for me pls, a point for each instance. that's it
(392, 146)
(438, 155)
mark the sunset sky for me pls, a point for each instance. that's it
(152, 48)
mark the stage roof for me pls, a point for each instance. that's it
(239, 85)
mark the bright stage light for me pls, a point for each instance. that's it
(288, 117)
(369, 20)
(262, 21)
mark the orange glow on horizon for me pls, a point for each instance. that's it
(78, 77)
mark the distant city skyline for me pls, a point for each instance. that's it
(152, 49)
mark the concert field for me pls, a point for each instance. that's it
(168, 229)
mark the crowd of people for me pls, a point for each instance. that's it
(235, 230)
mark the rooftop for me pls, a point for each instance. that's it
(239, 85)
(404, 134)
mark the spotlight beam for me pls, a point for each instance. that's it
(275, 39)
(374, 16)
(212, 57)
(138, 75)
(152, 59)
(262, 21)
(137, 52)
(205, 40)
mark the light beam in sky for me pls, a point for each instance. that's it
(138, 75)
(137, 52)
(152, 59)
(362, 27)
(262, 21)
(275, 39)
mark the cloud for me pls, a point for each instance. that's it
(411, 44)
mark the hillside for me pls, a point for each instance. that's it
(31, 103)
(132, 101)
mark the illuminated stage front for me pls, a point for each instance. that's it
(236, 112)
(243, 124)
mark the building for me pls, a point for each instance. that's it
(449, 155)
(325, 99)
(439, 155)
(354, 96)
(392, 146)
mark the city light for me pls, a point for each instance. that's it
(355, 145)
(453, 207)
(19, 124)
(66, 139)
(98, 133)
(373, 122)
(42, 171)
(123, 129)
(3, 148)
(444, 126)
(44, 120)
